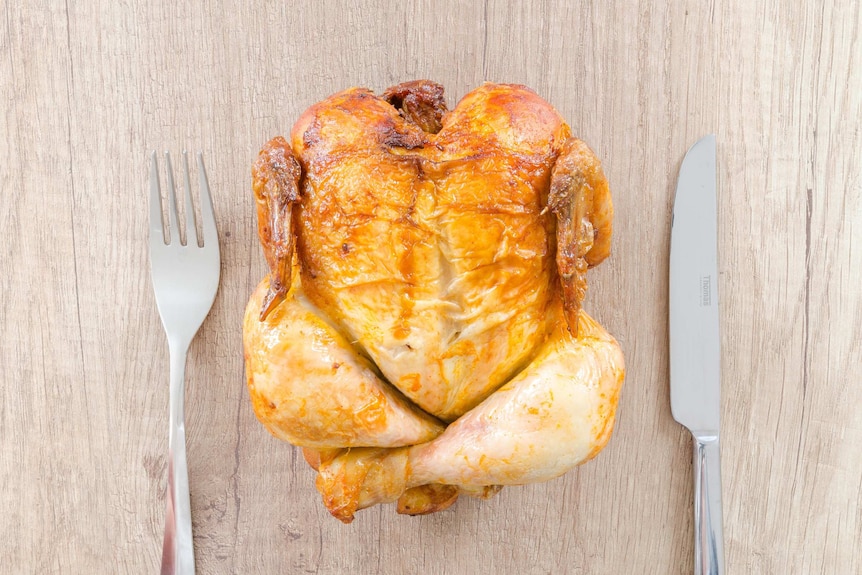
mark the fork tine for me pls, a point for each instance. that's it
(191, 232)
(208, 224)
(157, 226)
(173, 217)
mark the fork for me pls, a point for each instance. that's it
(185, 281)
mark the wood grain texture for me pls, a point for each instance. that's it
(89, 88)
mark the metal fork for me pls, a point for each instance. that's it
(185, 280)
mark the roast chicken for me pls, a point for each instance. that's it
(420, 334)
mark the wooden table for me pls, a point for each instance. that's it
(89, 87)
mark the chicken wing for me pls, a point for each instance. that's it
(581, 200)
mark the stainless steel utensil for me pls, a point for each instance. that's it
(694, 342)
(185, 280)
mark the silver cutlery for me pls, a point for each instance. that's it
(185, 281)
(694, 342)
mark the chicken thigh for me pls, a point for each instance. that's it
(420, 333)
(556, 413)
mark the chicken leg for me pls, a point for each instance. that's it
(308, 385)
(556, 414)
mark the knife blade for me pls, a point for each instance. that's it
(695, 357)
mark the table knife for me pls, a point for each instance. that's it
(694, 342)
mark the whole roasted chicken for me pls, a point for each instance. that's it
(420, 334)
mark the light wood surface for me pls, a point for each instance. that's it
(88, 88)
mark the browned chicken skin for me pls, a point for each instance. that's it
(428, 266)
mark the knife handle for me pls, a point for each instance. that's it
(708, 536)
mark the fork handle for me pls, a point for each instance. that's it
(178, 557)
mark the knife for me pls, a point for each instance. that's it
(694, 342)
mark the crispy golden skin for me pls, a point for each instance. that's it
(438, 255)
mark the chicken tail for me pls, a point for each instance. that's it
(361, 478)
